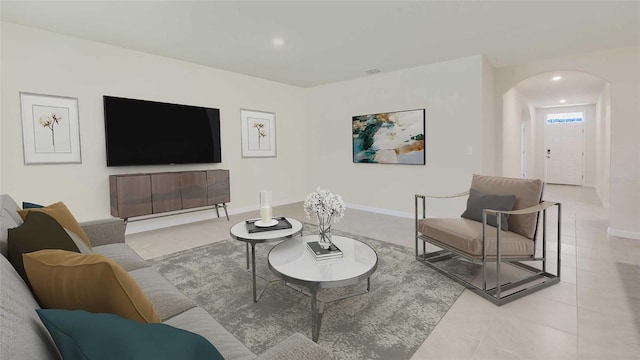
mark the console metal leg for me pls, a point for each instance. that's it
(224, 205)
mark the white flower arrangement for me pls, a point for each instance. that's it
(325, 205)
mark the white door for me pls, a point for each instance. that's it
(563, 134)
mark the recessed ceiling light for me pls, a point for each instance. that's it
(556, 78)
(372, 71)
(278, 41)
(562, 101)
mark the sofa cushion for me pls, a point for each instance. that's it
(123, 255)
(466, 235)
(23, 334)
(167, 300)
(478, 201)
(105, 231)
(61, 213)
(199, 321)
(9, 218)
(80, 335)
(66, 280)
(528, 193)
(39, 231)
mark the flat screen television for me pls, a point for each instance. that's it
(140, 132)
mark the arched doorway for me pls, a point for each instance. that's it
(548, 99)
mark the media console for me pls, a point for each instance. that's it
(156, 193)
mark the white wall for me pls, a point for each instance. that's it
(603, 145)
(489, 118)
(620, 68)
(513, 105)
(456, 124)
(589, 140)
(1, 82)
(48, 63)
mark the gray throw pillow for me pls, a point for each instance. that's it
(478, 201)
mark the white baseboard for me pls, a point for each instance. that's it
(623, 233)
(167, 220)
(181, 218)
(380, 211)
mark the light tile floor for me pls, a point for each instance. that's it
(593, 313)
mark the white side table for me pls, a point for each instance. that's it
(239, 232)
(293, 262)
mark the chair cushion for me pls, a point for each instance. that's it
(478, 201)
(528, 193)
(466, 236)
(85, 336)
(61, 213)
(66, 280)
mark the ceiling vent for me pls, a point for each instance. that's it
(372, 71)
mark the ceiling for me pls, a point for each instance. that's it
(575, 88)
(326, 42)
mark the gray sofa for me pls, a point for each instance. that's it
(23, 336)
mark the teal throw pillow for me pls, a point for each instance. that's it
(28, 205)
(82, 335)
(478, 201)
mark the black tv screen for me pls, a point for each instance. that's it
(140, 132)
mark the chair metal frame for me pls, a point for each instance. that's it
(495, 294)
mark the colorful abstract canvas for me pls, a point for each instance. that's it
(390, 138)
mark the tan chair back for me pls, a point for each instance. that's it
(528, 193)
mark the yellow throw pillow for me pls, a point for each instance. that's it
(61, 213)
(92, 282)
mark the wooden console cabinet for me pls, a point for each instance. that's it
(155, 193)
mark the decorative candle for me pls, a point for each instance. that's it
(265, 206)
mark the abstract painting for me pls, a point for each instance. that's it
(390, 138)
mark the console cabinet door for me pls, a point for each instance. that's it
(165, 188)
(130, 195)
(194, 189)
(218, 187)
(145, 194)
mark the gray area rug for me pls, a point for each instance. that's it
(406, 301)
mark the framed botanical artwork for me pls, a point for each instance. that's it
(258, 133)
(389, 138)
(50, 129)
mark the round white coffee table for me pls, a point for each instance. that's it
(240, 232)
(294, 263)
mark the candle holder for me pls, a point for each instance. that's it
(266, 214)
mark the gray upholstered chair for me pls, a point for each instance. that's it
(476, 241)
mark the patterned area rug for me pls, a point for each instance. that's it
(406, 301)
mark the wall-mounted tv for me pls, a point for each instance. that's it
(140, 132)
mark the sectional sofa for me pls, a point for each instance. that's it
(23, 335)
